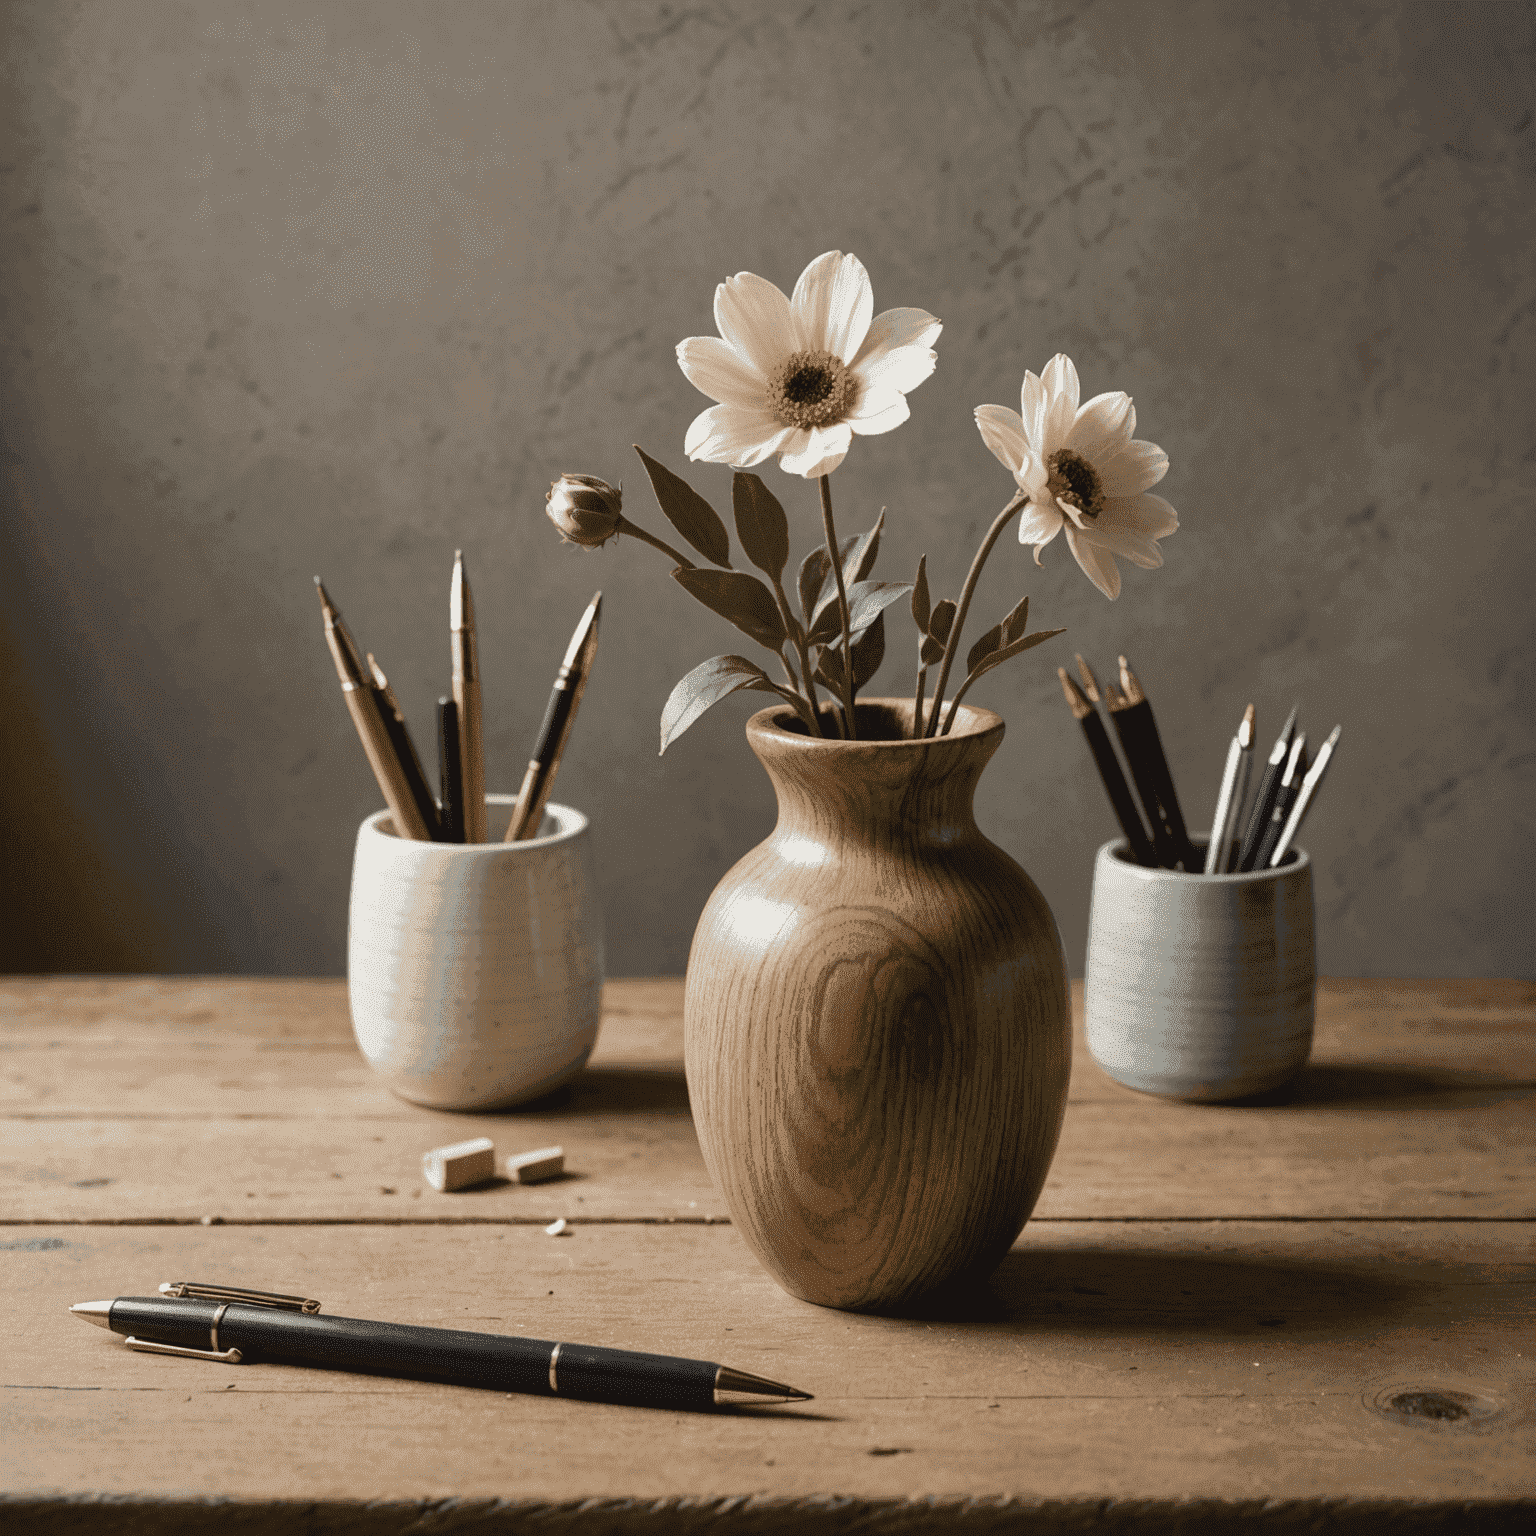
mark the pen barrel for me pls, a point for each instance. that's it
(626, 1376)
(493, 1360)
(557, 718)
(410, 762)
(1258, 818)
(374, 735)
(1276, 824)
(537, 781)
(466, 694)
(1140, 725)
(343, 1343)
(1118, 790)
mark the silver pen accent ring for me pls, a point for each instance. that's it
(554, 1356)
(213, 1328)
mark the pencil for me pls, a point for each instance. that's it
(1264, 800)
(559, 716)
(466, 696)
(450, 772)
(404, 748)
(1109, 770)
(1137, 727)
(357, 690)
(1234, 785)
(1304, 799)
(1290, 787)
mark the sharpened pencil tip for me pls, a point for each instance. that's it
(1245, 730)
(1090, 682)
(1079, 706)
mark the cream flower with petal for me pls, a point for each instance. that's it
(801, 376)
(1084, 471)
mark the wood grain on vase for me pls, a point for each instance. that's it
(876, 1018)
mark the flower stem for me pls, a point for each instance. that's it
(636, 532)
(952, 644)
(850, 726)
(797, 635)
(917, 702)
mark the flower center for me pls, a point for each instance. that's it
(810, 389)
(1075, 481)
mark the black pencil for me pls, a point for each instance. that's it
(1264, 800)
(1109, 771)
(1137, 726)
(450, 772)
(1290, 787)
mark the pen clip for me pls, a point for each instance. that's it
(232, 1293)
(149, 1347)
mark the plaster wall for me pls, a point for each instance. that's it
(340, 287)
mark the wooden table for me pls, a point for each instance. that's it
(1315, 1312)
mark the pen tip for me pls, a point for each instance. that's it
(98, 1312)
(742, 1389)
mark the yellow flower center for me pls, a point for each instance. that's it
(810, 389)
(1075, 481)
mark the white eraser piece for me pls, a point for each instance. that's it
(536, 1167)
(555, 1228)
(459, 1166)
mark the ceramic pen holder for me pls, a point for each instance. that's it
(475, 970)
(1200, 987)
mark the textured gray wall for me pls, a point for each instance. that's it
(337, 287)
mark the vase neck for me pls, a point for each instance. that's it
(880, 793)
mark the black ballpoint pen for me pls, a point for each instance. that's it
(231, 1325)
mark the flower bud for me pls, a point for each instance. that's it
(586, 510)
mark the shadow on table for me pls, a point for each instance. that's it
(616, 1091)
(1134, 1291)
(1367, 1085)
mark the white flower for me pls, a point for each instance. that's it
(1082, 471)
(799, 376)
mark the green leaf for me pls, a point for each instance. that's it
(1026, 643)
(760, 523)
(988, 643)
(706, 685)
(869, 652)
(932, 648)
(688, 512)
(829, 669)
(921, 610)
(866, 601)
(858, 559)
(1014, 625)
(742, 599)
(813, 571)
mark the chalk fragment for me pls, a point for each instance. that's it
(536, 1167)
(460, 1165)
(555, 1228)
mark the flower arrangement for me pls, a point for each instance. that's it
(801, 377)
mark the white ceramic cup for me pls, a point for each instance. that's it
(1200, 986)
(475, 970)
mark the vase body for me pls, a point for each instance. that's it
(876, 1019)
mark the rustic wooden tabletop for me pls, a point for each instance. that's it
(1309, 1313)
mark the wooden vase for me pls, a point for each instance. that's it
(876, 1018)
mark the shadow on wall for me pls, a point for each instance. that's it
(61, 907)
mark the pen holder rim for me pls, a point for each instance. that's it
(569, 823)
(1119, 849)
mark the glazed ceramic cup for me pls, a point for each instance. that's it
(475, 970)
(1200, 986)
